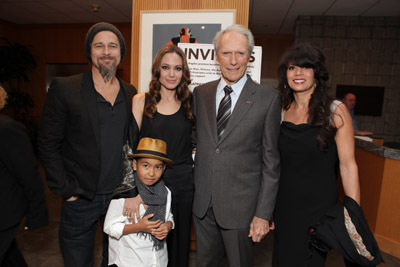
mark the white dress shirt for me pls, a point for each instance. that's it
(133, 249)
(236, 90)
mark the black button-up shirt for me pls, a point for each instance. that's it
(112, 121)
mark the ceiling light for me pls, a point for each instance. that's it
(95, 7)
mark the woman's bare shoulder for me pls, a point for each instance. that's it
(139, 98)
(341, 115)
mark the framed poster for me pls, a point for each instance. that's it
(204, 67)
(159, 28)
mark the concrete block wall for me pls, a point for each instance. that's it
(361, 51)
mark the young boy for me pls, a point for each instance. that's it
(142, 243)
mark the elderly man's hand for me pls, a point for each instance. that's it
(259, 228)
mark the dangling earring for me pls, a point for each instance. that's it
(284, 86)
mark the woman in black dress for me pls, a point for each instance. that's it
(165, 113)
(316, 135)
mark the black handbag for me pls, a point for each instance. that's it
(330, 232)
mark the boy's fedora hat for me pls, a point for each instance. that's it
(151, 148)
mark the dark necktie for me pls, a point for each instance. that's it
(224, 111)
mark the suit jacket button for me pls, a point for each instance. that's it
(217, 150)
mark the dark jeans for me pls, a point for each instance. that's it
(79, 220)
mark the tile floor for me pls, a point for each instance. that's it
(40, 246)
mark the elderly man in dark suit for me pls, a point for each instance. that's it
(237, 160)
(21, 187)
(85, 122)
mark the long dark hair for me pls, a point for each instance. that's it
(183, 92)
(319, 113)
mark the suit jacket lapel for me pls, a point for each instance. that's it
(211, 109)
(89, 96)
(128, 98)
(128, 101)
(132, 129)
(246, 100)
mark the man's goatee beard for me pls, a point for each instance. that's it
(107, 73)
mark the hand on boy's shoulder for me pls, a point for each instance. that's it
(132, 207)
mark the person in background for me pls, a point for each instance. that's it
(142, 243)
(21, 187)
(165, 113)
(237, 160)
(86, 121)
(316, 136)
(350, 101)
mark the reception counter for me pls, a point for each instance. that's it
(379, 172)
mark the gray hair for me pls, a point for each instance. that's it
(235, 28)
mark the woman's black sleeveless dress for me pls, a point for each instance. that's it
(307, 189)
(176, 131)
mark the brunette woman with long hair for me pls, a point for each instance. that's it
(165, 113)
(316, 135)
